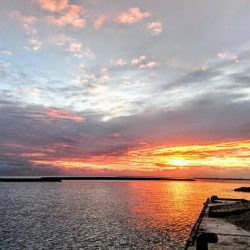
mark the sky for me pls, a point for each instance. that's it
(142, 88)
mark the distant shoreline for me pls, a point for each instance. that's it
(224, 179)
(107, 178)
(74, 178)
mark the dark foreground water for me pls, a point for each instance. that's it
(104, 214)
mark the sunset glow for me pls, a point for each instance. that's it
(163, 160)
(178, 162)
(124, 88)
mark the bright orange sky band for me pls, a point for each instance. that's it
(154, 159)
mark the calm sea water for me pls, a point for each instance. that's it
(104, 214)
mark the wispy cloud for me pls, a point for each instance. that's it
(7, 52)
(58, 114)
(99, 21)
(54, 5)
(120, 62)
(155, 28)
(71, 17)
(29, 90)
(139, 60)
(65, 13)
(131, 16)
(228, 56)
(78, 50)
(142, 62)
(28, 22)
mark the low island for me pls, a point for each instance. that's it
(242, 189)
(99, 178)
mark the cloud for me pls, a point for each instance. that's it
(58, 39)
(73, 46)
(70, 17)
(151, 64)
(53, 5)
(57, 114)
(131, 16)
(228, 56)
(92, 80)
(72, 142)
(82, 67)
(34, 44)
(97, 89)
(29, 90)
(227, 154)
(7, 52)
(98, 22)
(78, 50)
(28, 22)
(104, 78)
(120, 62)
(138, 61)
(21, 167)
(64, 13)
(155, 28)
(143, 63)
(79, 80)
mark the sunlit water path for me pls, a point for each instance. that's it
(104, 214)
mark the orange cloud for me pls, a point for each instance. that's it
(98, 22)
(132, 15)
(35, 155)
(69, 14)
(229, 154)
(58, 114)
(70, 17)
(53, 5)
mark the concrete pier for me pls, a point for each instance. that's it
(218, 232)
